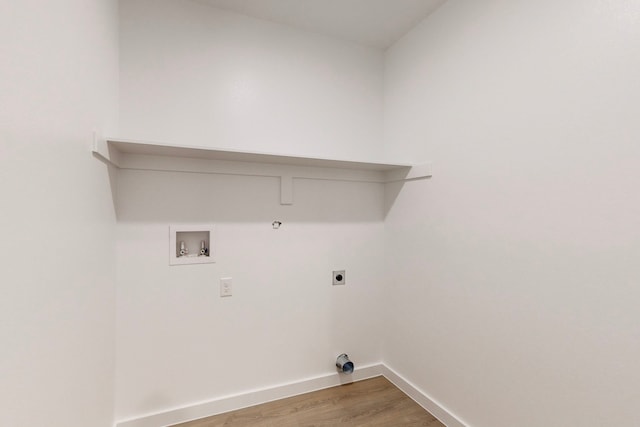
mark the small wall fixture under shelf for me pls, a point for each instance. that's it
(141, 155)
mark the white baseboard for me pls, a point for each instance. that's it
(251, 398)
(256, 397)
(445, 416)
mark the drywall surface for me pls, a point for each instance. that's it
(195, 75)
(516, 268)
(179, 343)
(58, 82)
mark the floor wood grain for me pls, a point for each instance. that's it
(374, 402)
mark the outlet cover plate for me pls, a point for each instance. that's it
(226, 286)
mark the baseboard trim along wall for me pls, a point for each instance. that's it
(256, 397)
(445, 416)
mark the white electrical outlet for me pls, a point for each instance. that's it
(226, 286)
(339, 277)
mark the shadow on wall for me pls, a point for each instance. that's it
(392, 190)
(155, 196)
(112, 171)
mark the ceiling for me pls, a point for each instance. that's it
(374, 23)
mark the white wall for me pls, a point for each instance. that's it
(179, 343)
(516, 266)
(58, 82)
(512, 270)
(196, 75)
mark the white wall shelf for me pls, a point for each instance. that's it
(143, 155)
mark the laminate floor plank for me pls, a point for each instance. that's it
(372, 403)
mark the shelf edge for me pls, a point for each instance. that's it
(131, 146)
(105, 152)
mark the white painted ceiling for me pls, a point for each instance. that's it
(375, 23)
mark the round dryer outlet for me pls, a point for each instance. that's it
(339, 277)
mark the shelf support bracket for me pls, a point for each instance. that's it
(286, 189)
(103, 151)
(420, 171)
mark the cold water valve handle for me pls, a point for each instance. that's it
(204, 251)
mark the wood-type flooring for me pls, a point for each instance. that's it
(374, 402)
